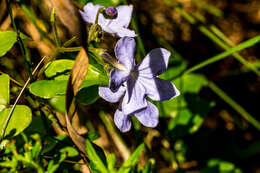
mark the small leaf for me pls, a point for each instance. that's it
(94, 157)
(8, 38)
(21, 118)
(69, 151)
(59, 69)
(4, 91)
(93, 136)
(58, 103)
(48, 88)
(87, 95)
(190, 83)
(133, 159)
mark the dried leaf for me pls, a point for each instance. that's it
(77, 75)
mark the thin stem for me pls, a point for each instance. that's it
(18, 98)
(234, 105)
(122, 147)
(53, 24)
(100, 10)
(20, 41)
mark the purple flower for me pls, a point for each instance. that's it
(117, 26)
(132, 85)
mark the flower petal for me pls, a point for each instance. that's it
(124, 51)
(110, 96)
(117, 78)
(158, 89)
(149, 117)
(120, 31)
(124, 16)
(134, 99)
(155, 63)
(122, 121)
(90, 12)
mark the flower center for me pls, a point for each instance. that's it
(133, 74)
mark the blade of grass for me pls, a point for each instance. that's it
(216, 40)
(246, 44)
(234, 105)
(120, 144)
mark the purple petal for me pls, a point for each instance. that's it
(159, 89)
(90, 12)
(122, 121)
(155, 63)
(120, 31)
(124, 51)
(124, 16)
(110, 96)
(149, 117)
(134, 99)
(117, 78)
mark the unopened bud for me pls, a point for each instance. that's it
(110, 13)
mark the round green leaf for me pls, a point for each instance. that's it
(48, 88)
(8, 38)
(58, 103)
(21, 118)
(4, 91)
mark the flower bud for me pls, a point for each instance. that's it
(110, 13)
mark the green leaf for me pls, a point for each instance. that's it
(4, 91)
(190, 118)
(69, 151)
(58, 103)
(111, 160)
(48, 88)
(133, 159)
(21, 118)
(190, 83)
(59, 69)
(8, 38)
(93, 136)
(175, 67)
(87, 95)
(94, 157)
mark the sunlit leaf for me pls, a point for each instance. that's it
(48, 88)
(133, 159)
(94, 157)
(58, 103)
(8, 38)
(21, 118)
(59, 69)
(69, 151)
(4, 91)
